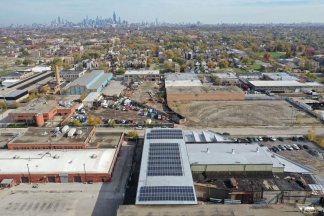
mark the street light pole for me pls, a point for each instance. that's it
(29, 173)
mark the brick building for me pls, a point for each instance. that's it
(58, 166)
(39, 111)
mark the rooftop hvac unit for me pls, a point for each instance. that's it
(79, 132)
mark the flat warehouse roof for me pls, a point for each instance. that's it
(283, 83)
(142, 72)
(165, 175)
(56, 161)
(45, 136)
(227, 154)
(203, 89)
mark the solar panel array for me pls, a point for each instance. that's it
(167, 193)
(165, 134)
(164, 160)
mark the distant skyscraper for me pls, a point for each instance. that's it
(114, 17)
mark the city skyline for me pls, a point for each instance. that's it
(208, 12)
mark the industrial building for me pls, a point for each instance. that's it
(227, 78)
(71, 75)
(94, 81)
(181, 79)
(283, 86)
(285, 76)
(65, 138)
(165, 176)
(57, 166)
(38, 111)
(188, 87)
(51, 138)
(227, 172)
(91, 98)
(141, 75)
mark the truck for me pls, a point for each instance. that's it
(71, 132)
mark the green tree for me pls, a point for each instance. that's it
(216, 80)
(28, 62)
(120, 71)
(18, 62)
(132, 135)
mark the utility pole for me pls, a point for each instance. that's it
(29, 174)
(85, 173)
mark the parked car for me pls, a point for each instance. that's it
(139, 128)
(294, 146)
(305, 146)
(289, 148)
(280, 139)
(300, 146)
(260, 139)
(281, 148)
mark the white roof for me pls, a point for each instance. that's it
(225, 75)
(92, 96)
(146, 180)
(56, 161)
(39, 69)
(181, 79)
(142, 72)
(282, 83)
(221, 153)
(202, 136)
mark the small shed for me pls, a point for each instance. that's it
(92, 97)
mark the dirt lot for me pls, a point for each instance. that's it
(241, 113)
(142, 95)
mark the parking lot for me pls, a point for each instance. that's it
(126, 112)
(309, 154)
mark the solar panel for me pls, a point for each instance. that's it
(165, 134)
(166, 193)
(164, 160)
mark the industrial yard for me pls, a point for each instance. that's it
(241, 113)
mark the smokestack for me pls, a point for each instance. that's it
(57, 75)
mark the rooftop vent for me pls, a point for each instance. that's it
(233, 151)
(93, 156)
(16, 157)
(70, 162)
(257, 149)
(56, 156)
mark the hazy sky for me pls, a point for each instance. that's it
(206, 11)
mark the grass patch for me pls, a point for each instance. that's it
(274, 55)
